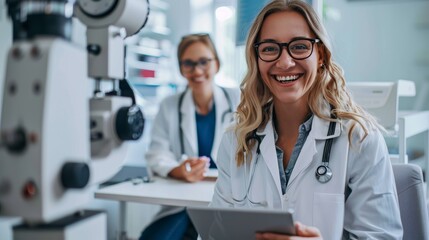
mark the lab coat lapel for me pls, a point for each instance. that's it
(221, 107)
(319, 130)
(188, 124)
(304, 159)
(268, 152)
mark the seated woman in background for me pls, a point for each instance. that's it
(187, 131)
(300, 142)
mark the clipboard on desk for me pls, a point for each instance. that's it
(239, 223)
(127, 173)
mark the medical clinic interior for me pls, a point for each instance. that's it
(94, 135)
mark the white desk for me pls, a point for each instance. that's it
(162, 192)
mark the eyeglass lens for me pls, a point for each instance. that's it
(298, 49)
(189, 65)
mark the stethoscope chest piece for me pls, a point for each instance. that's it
(323, 173)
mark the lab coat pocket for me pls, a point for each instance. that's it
(247, 199)
(249, 188)
(328, 214)
(252, 196)
(256, 198)
(239, 197)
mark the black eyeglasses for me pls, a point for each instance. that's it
(298, 49)
(189, 65)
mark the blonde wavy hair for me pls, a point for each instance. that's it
(254, 110)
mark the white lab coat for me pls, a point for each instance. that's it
(359, 199)
(164, 152)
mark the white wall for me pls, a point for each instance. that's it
(384, 40)
(189, 16)
(178, 19)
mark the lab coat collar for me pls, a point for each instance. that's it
(319, 130)
(188, 125)
(268, 152)
(222, 105)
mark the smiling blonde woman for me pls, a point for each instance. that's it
(300, 142)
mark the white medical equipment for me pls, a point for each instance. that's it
(381, 99)
(57, 143)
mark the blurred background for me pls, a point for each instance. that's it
(373, 40)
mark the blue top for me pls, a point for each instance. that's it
(206, 125)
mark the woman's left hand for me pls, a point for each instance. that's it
(302, 232)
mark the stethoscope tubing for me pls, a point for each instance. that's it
(323, 172)
(249, 182)
(323, 177)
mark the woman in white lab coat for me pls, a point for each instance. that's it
(187, 131)
(294, 107)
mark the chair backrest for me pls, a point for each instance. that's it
(412, 201)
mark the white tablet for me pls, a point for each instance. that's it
(239, 223)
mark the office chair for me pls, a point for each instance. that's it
(412, 201)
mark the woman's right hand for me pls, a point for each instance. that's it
(190, 170)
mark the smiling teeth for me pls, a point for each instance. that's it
(286, 78)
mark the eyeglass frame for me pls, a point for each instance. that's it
(196, 63)
(286, 44)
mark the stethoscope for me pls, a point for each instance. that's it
(224, 114)
(258, 152)
(323, 171)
